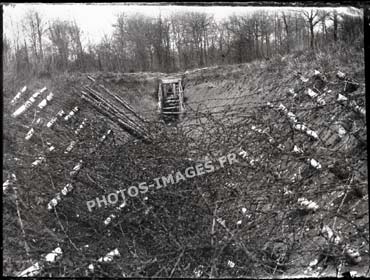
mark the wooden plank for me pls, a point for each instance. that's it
(123, 103)
(107, 111)
(114, 108)
(172, 107)
(170, 80)
(171, 113)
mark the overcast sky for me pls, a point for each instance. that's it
(96, 20)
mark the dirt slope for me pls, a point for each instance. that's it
(236, 107)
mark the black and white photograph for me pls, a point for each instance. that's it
(185, 140)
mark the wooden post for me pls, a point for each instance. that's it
(181, 101)
(160, 98)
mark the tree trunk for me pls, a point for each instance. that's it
(267, 45)
(335, 26)
(39, 33)
(256, 39)
(312, 35)
(287, 33)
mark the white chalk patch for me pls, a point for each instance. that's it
(109, 257)
(308, 204)
(230, 264)
(54, 255)
(303, 79)
(341, 97)
(311, 93)
(29, 134)
(297, 150)
(314, 163)
(341, 75)
(31, 271)
(312, 133)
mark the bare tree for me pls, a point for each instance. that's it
(312, 20)
(334, 18)
(40, 31)
(58, 35)
(351, 23)
(75, 37)
(323, 17)
(6, 51)
(287, 30)
(120, 42)
(177, 42)
(30, 29)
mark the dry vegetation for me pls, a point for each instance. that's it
(244, 220)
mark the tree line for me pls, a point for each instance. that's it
(177, 42)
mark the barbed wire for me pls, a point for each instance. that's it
(248, 213)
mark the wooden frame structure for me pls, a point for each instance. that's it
(171, 98)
